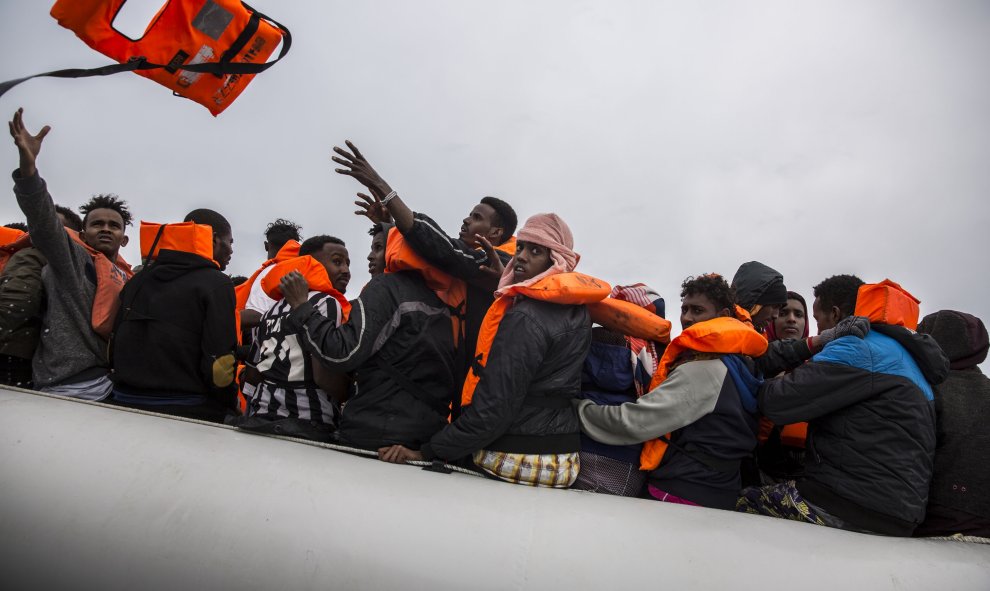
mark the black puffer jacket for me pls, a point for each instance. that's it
(522, 402)
(399, 340)
(871, 432)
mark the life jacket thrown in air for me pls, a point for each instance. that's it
(562, 288)
(316, 276)
(204, 50)
(722, 335)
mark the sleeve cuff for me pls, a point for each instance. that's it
(27, 185)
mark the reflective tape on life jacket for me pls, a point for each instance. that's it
(316, 276)
(110, 279)
(721, 335)
(11, 241)
(207, 51)
(562, 288)
(887, 303)
(629, 319)
(182, 236)
(399, 256)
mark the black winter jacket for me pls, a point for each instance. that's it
(871, 433)
(174, 333)
(522, 401)
(399, 340)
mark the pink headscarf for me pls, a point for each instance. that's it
(548, 230)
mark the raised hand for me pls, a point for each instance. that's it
(294, 288)
(357, 166)
(373, 209)
(493, 270)
(28, 146)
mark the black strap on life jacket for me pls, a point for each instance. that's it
(218, 68)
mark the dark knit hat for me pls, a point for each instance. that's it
(962, 336)
(756, 283)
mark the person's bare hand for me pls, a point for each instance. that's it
(494, 268)
(356, 165)
(294, 288)
(398, 454)
(373, 209)
(28, 146)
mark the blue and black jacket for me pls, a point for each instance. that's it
(871, 432)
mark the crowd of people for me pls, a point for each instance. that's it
(490, 350)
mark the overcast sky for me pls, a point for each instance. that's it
(675, 138)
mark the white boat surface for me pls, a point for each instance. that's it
(97, 497)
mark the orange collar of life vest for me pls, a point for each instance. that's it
(110, 279)
(182, 236)
(724, 335)
(562, 288)
(10, 235)
(289, 250)
(888, 303)
(315, 274)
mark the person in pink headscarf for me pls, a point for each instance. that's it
(518, 423)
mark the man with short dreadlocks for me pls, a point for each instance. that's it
(82, 280)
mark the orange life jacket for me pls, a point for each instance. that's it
(315, 274)
(182, 236)
(289, 250)
(207, 51)
(630, 319)
(719, 335)
(793, 435)
(562, 288)
(887, 303)
(11, 241)
(110, 279)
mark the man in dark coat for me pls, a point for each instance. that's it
(959, 501)
(871, 424)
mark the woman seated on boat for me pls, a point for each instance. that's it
(517, 422)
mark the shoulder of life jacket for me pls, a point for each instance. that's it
(719, 335)
(11, 241)
(183, 236)
(887, 303)
(315, 274)
(110, 279)
(242, 292)
(562, 288)
(508, 247)
(182, 32)
(630, 319)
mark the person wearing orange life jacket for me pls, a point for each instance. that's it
(295, 394)
(868, 402)
(82, 279)
(281, 243)
(397, 339)
(517, 422)
(699, 417)
(173, 349)
(22, 299)
(476, 255)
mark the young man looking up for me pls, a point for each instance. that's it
(485, 242)
(871, 424)
(71, 359)
(174, 338)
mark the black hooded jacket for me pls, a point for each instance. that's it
(174, 334)
(871, 425)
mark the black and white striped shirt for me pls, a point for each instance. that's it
(287, 388)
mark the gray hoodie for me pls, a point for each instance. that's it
(68, 351)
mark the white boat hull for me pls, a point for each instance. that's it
(93, 497)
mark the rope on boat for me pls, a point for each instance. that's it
(336, 447)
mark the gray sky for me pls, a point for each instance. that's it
(675, 138)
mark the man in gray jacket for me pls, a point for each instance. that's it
(82, 279)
